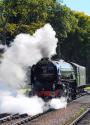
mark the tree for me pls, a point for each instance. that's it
(76, 47)
(64, 21)
(24, 16)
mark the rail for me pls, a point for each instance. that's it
(76, 121)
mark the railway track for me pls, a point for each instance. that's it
(11, 119)
(17, 119)
(3, 115)
(26, 120)
(83, 119)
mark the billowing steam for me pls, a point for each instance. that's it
(57, 103)
(21, 104)
(25, 51)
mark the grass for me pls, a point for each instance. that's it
(77, 114)
(87, 88)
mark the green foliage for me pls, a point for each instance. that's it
(63, 20)
(29, 28)
(11, 28)
(26, 11)
(23, 16)
(76, 47)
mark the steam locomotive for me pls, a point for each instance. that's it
(52, 79)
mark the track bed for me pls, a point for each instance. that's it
(84, 119)
(56, 117)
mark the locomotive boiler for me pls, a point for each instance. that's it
(52, 79)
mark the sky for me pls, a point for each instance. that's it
(78, 5)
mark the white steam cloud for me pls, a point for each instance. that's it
(57, 103)
(25, 51)
(21, 104)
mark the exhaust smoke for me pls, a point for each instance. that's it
(25, 51)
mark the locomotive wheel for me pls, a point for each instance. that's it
(68, 92)
(61, 93)
(71, 94)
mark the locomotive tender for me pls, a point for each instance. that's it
(51, 79)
